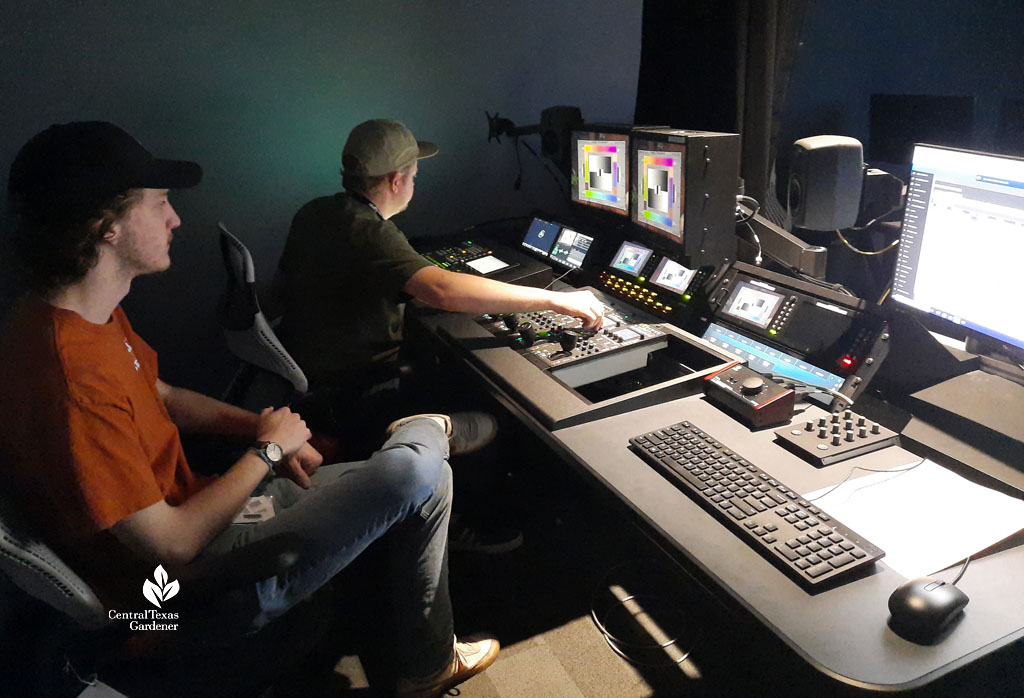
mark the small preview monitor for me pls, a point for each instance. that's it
(631, 258)
(571, 248)
(962, 241)
(658, 187)
(753, 304)
(600, 170)
(672, 275)
(540, 236)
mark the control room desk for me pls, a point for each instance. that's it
(841, 632)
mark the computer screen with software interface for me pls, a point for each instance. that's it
(962, 241)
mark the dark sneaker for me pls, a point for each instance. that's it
(491, 539)
(470, 659)
(471, 431)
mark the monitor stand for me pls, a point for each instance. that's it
(967, 407)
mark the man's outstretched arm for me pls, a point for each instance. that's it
(468, 293)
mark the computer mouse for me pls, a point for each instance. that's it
(923, 609)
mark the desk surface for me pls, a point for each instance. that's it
(842, 632)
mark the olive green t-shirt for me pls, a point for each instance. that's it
(343, 272)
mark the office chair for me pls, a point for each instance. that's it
(250, 336)
(137, 663)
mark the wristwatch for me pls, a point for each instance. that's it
(269, 451)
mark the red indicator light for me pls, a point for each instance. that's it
(847, 360)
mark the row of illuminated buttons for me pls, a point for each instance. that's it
(637, 292)
(615, 282)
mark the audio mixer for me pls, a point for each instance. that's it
(552, 339)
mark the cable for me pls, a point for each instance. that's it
(867, 253)
(870, 470)
(838, 288)
(967, 561)
(556, 280)
(519, 165)
(493, 221)
(754, 208)
(752, 203)
(546, 166)
(758, 259)
(792, 383)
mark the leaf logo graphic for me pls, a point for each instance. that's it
(162, 590)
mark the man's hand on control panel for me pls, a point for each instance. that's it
(584, 305)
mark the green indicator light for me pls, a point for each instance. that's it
(643, 279)
(686, 296)
(772, 332)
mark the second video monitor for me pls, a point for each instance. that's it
(560, 244)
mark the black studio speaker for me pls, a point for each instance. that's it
(825, 178)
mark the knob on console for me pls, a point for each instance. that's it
(511, 321)
(752, 385)
(527, 335)
(567, 340)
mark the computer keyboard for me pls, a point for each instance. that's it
(797, 537)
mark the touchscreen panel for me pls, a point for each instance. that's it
(631, 258)
(672, 275)
(540, 236)
(753, 304)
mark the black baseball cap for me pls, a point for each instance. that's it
(76, 168)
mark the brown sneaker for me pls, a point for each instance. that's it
(470, 659)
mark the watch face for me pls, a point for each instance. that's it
(274, 452)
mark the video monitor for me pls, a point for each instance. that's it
(631, 258)
(658, 186)
(672, 275)
(571, 248)
(752, 304)
(962, 241)
(600, 170)
(540, 236)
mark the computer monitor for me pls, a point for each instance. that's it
(658, 186)
(631, 258)
(600, 170)
(540, 236)
(570, 249)
(962, 243)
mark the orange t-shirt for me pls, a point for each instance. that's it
(86, 439)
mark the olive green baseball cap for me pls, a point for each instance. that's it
(380, 146)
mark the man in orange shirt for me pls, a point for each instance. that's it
(91, 444)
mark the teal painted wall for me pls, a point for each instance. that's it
(263, 93)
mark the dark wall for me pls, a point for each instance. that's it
(934, 47)
(263, 93)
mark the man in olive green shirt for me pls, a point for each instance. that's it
(347, 269)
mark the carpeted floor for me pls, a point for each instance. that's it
(583, 557)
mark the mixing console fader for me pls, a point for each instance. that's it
(552, 339)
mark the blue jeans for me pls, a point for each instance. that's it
(404, 490)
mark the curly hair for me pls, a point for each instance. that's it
(54, 249)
